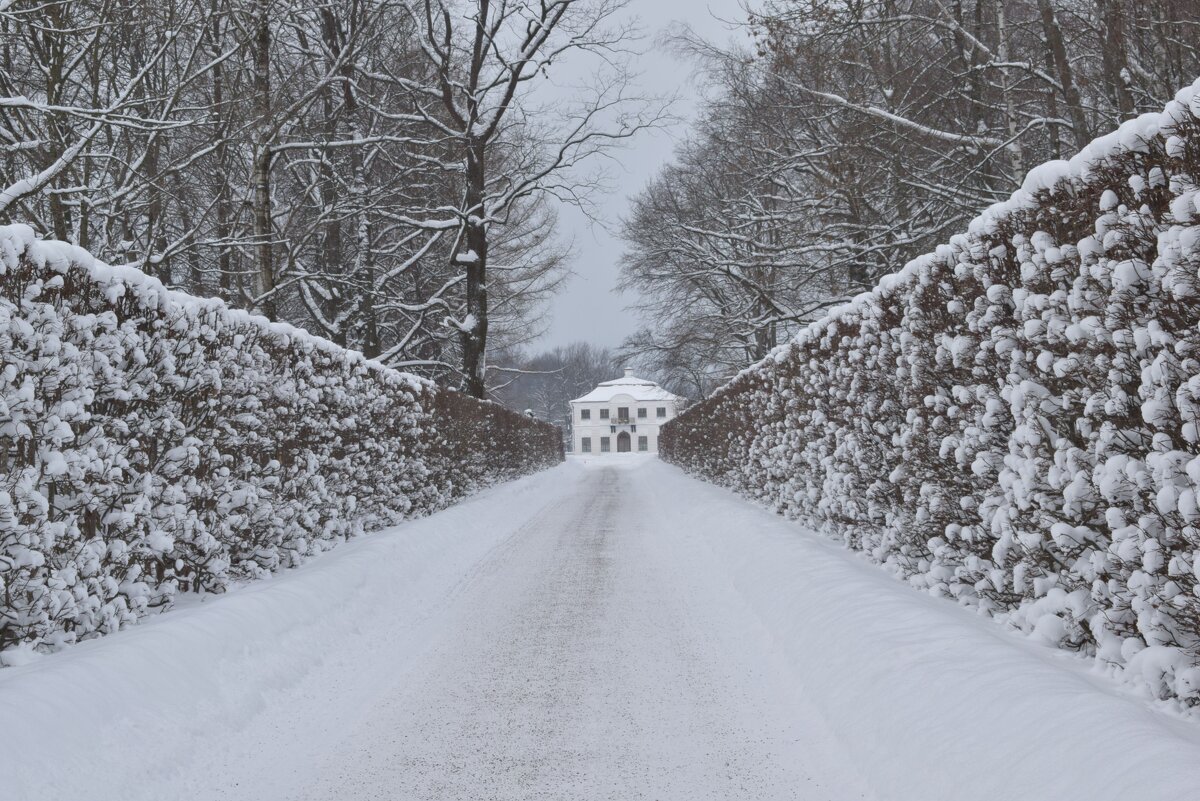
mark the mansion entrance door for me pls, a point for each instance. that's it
(623, 442)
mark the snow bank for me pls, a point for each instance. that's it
(1011, 421)
(153, 443)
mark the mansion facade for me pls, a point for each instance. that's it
(621, 416)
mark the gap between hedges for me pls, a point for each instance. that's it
(153, 443)
(1012, 421)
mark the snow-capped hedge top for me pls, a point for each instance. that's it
(20, 241)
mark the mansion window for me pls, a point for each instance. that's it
(643, 443)
(604, 414)
(585, 445)
(604, 445)
(585, 414)
(642, 413)
(662, 411)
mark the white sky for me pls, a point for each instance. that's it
(589, 307)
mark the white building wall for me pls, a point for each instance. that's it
(596, 428)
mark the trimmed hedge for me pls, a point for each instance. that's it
(1012, 421)
(152, 443)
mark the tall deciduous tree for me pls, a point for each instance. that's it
(855, 136)
(378, 171)
(478, 114)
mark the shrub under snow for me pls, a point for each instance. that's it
(1012, 421)
(153, 443)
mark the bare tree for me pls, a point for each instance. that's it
(503, 148)
(828, 155)
(331, 164)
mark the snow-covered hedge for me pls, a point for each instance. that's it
(1012, 421)
(152, 443)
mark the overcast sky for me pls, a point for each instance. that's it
(589, 307)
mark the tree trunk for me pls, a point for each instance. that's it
(364, 256)
(1113, 53)
(331, 250)
(224, 211)
(56, 56)
(195, 274)
(1016, 153)
(964, 52)
(474, 260)
(263, 228)
(156, 240)
(1052, 34)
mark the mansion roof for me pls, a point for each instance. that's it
(640, 389)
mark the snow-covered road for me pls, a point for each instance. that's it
(609, 629)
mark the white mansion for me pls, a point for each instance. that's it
(621, 415)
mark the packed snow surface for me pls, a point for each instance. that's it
(607, 629)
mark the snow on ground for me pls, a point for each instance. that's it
(606, 629)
